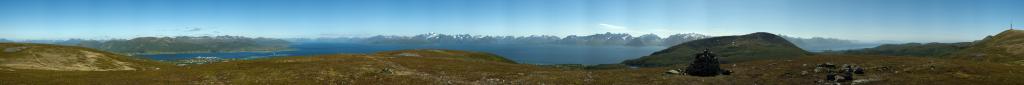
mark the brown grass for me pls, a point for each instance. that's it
(360, 69)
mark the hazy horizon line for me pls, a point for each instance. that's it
(410, 35)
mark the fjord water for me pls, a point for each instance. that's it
(522, 53)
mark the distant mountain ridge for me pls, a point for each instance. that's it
(607, 38)
(819, 44)
(754, 46)
(1005, 47)
(603, 39)
(934, 50)
(182, 44)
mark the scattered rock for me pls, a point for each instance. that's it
(830, 77)
(387, 71)
(673, 71)
(827, 65)
(846, 77)
(860, 81)
(932, 68)
(835, 74)
(858, 70)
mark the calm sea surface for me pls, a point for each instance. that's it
(531, 54)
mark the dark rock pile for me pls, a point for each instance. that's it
(705, 64)
(836, 74)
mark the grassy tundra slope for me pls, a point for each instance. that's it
(432, 67)
(754, 46)
(1007, 46)
(67, 58)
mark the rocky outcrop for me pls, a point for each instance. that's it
(705, 64)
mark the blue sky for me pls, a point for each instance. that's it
(866, 20)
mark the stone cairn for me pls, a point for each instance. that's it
(705, 64)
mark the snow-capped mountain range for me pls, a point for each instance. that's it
(608, 38)
(602, 39)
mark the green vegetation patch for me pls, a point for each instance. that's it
(464, 55)
(730, 49)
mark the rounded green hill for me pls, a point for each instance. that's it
(754, 46)
(1007, 46)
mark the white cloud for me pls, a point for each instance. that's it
(193, 29)
(612, 27)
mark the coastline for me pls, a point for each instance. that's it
(190, 52)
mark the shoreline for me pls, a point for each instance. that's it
(162, 53)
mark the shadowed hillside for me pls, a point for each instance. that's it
(754, 46)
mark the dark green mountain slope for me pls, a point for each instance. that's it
(910, 49)
(754, 46)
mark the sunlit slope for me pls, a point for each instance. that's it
(19, 56)
(754, 46)
(1007, 46)
(933, 50)
(452, 67)
(377, 69)
(880, 70)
